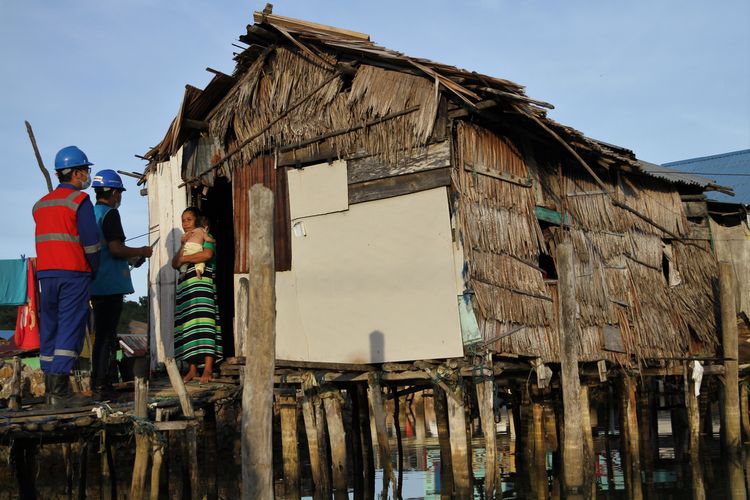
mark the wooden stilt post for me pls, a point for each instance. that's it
(398, 417)
(446, 462)
(368, 462)
(485, 397)
(745, 409)
(68, 461)
(108, 487)
(212, 458)
(459, 442)
(737, 488)
(21, 453)
(731, 402)
(420, 431)
(538, 468)
(571, 384)
(693, 415)
(191, 441)
(355, 436)
(631, 445)
(142, 440)
(157, 451)
(83, 460)
(375, 397)
(316, 445)
(337, 438)
(257, 393)
(178, 466)
(288, 411)
(588, 438)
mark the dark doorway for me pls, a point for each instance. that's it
(216, 204)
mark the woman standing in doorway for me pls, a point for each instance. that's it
(197, 332)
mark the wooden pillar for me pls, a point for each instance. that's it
(419, 416)
(191, 441)
(571, 385)
(485, 398)
(337, 437)
(157, 452)
(446, 463)
(356, 438)
(459, 442)
(142, 440)
(693, 416)
(737, 489)
(745, 409)
(368, 462)
(315, 431)
(288, 412)
(211, 452)
(588, 438)
(108, 482)
(257, 393)
(538, 468)
(731, 402)
(22, 456)
(398, 417)
(375, 396)
(629, 435)
(177, 466)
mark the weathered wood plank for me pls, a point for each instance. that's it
(398, 186)
(373, 167)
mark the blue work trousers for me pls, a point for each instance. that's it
(64, 310)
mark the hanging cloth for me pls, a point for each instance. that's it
(27, 321)
(13, 282)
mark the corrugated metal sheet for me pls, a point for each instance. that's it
(673, 175)
(261, 171)
(731, 169)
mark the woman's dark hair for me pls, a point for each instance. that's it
(196, 213)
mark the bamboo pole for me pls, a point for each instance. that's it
(731, 400)
(485, 397)
(571, 384)
(290, 454)
(257, 393)
(157, 452)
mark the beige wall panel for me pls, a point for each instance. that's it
(318, 189)
(732, 244)
(372, 284)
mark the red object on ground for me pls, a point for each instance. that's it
(27, 322)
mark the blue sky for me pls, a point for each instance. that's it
(668, 79)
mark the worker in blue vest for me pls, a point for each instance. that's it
(113, 279)
(67, 249)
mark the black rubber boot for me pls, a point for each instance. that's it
(62, 397)
(47, 389)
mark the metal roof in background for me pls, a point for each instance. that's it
(674, 175)
(730, 169)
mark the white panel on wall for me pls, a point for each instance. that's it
(318, 189)
(371, 284)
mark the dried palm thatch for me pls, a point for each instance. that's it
(285, 83)
(658, 201)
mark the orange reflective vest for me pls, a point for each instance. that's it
(57, 241)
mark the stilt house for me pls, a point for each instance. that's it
(418, 207)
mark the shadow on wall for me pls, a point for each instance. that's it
(377, 347)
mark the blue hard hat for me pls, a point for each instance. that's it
(108, 179)
(71, 157)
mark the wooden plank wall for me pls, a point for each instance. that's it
(261, 171)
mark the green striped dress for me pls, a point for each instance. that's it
(197, 331)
